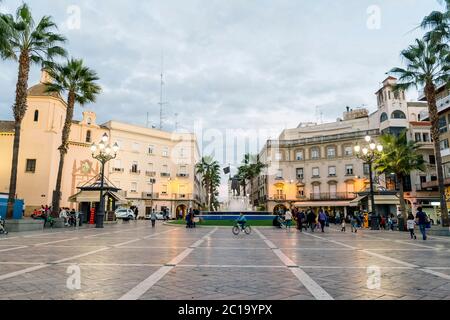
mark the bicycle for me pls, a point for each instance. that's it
(238, 228)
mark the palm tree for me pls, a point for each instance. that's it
(250, 169)
(439, 23)
(210, 171)
(400, 157)
(28, 43)
(427, 66)
(78, 82)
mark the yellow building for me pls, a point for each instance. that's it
(153, 168)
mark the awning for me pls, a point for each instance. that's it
(322, 204)
(381, 199)
(94, 196)
(355, 203)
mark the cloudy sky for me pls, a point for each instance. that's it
(231, 64)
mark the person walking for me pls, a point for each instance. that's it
(411, 224)
(422, 220)
(301, 220)
(288, 220)
(322, 220)
(354, 224)
(153, 218)
(343, 225)
(311, 219)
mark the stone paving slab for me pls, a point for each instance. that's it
(42, 254)
(234, 257)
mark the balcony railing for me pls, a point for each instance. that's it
(132, 171)
(117, 170)
(323, 139)
(149, 195)
(182, 175)
(279, 197)
(165, 174)
(333, 196)
(150, 173)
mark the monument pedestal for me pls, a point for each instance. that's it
(24, 225)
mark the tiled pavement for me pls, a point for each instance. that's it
(134, 261)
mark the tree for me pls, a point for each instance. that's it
(438, 24)
(399, 157)
(427, 66)
(251, 168)
(27, 43)
(209, 169)
(78, 82)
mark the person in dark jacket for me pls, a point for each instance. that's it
(311, 218)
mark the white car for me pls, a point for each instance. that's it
(159, 216)
(127, 214)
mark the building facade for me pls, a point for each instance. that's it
(314, 165)
(154, 169)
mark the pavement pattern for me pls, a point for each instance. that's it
(132, 261)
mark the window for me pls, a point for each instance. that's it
(299, 156)
(165, 152)
(443, 125)
(433, 178)
(134, 167)
(150, 167)
(444, 144)
(384, 117)
(278, 156)
(300, 173)
(348, 151)
(88, 136)
(279, 174)
(164, 189)
(117, 165)
(349, 170)
(316, 191)
(182, 153)
(432, 159)
(165, 168)
(183, 169)
(397, 114)
(366, 169)
(389, 95)
(300, 191)
(133, 187)
(151, 149)
(315, 153)
(30, 166)
(418, 137)
(332, 171)
(331, 152)
(350, 187)
(447, 170)
(333, 191)
(136, 147)
(316, 172)
(426, 137)
(36, 115)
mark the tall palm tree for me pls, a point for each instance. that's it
(210, 171)
(400, 157)
(427, 66)
(27, 43)
(78, 82)
(250, 169)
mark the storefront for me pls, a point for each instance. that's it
(385, 203)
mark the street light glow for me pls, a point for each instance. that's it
(93, 147)
(357, 149)
(365, 151)
(373, 146)
(380, 148)
(105, 138)
(368, 139)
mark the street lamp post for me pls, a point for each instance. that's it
(103, 152)
(369, 153)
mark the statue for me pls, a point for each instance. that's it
(236, 186)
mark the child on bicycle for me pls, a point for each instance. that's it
(242, 221)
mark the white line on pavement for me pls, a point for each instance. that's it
(12, 249)
(315, 289)
(436, 273)
(23, 271)
(147, 284)
(57, 241)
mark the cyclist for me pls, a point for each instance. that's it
(242, 221)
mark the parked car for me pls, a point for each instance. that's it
(159, 216)
(126, 214)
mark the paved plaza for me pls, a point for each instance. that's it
(132, 261)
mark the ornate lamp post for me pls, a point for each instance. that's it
(103, 152)
(369, 153)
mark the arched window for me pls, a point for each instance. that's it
(88, 136)
(89, 121)
(36, 115)
(397, 114)
(384, 117)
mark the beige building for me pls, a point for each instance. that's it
(314, 165)
(153, 168)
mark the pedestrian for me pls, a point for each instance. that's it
(411, 224)
(153, 218)
(343, 225)
(188, 221)
(288, 220)
(136, 213)
(383, 223)
(354, 224)
(422, 220)
(338, 218)
(322, 220)
(311, 219)
(301, 220)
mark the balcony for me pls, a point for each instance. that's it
(182, 175)
(332, 196)
(149, 195)
(181, 196)
(445, 153)
(279, 197)
(443, 103)
(132, 171)
(118, 170)
(150, 173)
(165, 174)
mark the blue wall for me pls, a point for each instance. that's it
(18, 207)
